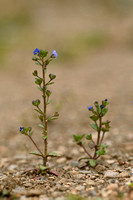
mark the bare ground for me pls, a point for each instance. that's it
(99, 74)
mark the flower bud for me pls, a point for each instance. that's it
(52, 76)
(102, 106)
(36, 102)
(48, 93)
(35, 73)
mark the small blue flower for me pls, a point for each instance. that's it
(90, 108)
(101, 106)
(54, 54)
(21, 128)
(36, 51)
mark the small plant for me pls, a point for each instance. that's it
(42, 85)
(101, 127)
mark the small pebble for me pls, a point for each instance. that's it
(111, 174)
(80, 187)
(61, 160)
(124, 174)
(74, 163)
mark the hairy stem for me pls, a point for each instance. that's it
(102, 138)
(98, 138)
(99, 130)
(85, 150)
(35, 145)
(45, 113)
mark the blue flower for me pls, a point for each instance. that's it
(36, 51)
(101, 106)
(90, 108)
(54, 54)
(21, 128)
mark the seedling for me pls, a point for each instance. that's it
(101, 127)
(42, 85)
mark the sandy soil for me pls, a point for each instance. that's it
(96, 75)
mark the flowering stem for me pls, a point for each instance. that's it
(98, 138)
(102, 138)
(36, 145)
(45, 114)
(85, 150)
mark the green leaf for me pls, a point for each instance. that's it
(38, 64)
(43, 53)
(78, 138)
(89, 137)
(48, 61)
(39, 111)
(92, 163)
(39, 88)
(41, 125)
(44, 137)
(104, 111)
(105, 129)
(41, 118)
(94, 126)
(101, 152)
(36, 154)
(98, 108)
(48, 102)
(34, 58)
(31, 133)
(94, 117)
(104, 145)
(53, 154)
(52, 118)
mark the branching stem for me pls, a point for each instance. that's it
(85, 150)
(36, 145)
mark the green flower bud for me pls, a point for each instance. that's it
(48, 93)
(52, 76)
(36, 102)
(38, 81)
(35, 73)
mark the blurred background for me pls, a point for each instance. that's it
(94, 42)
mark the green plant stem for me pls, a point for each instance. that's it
(85, 150)
(102, 138)
(35, 145)
(99, 130)
(39, 109)
(98, 138)
(45, 114)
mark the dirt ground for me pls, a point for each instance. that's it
(95, 74)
